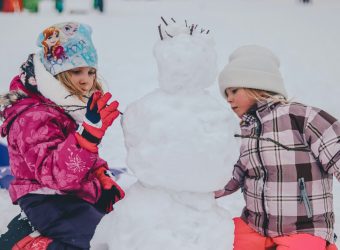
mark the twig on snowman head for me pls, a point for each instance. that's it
(169, 34)
(191, 29)
(164, 21)
(160, 31)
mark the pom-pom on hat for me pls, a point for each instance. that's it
(255, 67)
(65, 46)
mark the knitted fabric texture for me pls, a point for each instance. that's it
(255, 67)
(65, 46)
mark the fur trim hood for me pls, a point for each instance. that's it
(36, 82)
(10, 98)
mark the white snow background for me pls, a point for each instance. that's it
(305, 37)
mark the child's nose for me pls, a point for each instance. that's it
(84, 78)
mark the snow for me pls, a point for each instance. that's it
(177, 152)
(183, 138)
(160, 219)
(185, 62)
(168, 143)
(305, 38)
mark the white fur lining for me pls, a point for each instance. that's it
(52, 89)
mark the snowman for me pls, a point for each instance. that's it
(179, 140)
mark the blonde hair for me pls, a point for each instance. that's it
(263, 95)
(64, 79)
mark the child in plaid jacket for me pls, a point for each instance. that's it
(289, 154)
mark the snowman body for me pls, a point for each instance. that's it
(177, 139)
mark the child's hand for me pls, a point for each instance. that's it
(219, 193)
(111, 191)
(99, 116)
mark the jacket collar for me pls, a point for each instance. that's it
(262, 107)
(51, 88)
(36, 85)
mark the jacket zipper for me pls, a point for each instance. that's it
(304, 197)
(258, 130)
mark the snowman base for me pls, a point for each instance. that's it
(153, 219)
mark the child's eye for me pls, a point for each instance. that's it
(92, 72)
(76, 72)
(234, 91)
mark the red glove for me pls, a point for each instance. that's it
(111, 191)
(99, 116)
(331, 247)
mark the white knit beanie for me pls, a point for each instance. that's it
(255, 67)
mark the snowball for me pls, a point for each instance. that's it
(179, 142)
(186, 63)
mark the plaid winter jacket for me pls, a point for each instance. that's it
(289, 153)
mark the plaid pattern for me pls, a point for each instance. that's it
(289, 153)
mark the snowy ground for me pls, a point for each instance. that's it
(305, 37)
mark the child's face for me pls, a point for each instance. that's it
(239, 101)
(83, 78)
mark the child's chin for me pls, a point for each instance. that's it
(85, 91)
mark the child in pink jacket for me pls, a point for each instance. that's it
(288, 156)
(54, 117)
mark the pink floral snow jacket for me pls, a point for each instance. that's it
(289, 153)
(44, 154)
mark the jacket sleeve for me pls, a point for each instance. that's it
(235, 183)
(54, 156)
(322, 133)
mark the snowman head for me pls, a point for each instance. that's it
(185, 56)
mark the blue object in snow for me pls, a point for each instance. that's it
(4, 159)
(5, 172)
(118, 171)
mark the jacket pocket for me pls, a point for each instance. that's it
(304, 197)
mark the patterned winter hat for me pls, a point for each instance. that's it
(66, 46)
